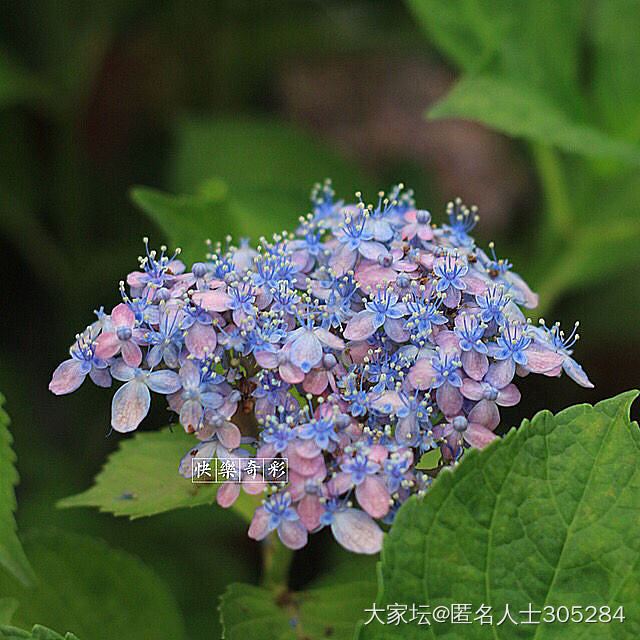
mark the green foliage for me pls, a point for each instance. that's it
(37, 633)
(430, 459)
(532, 40)
(321, 612)
(141, 479)
(519, 111)
(616, 83)
(549, 516)
(8, 607)
(99, 592)
(188, 221)
(246, 178)
(17, 85)
(257, 153)
(524, 76)
(12, 556)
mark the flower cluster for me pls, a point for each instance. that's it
(351, 347)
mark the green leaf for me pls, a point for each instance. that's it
(595, 253)
(187, 221)
(12, 556)
(525, 39)
(522, 112)
(17, 85)
(616, 83)
(141, 479)
(245, 178)
(258, 155)
(322, 612)
(547, 516)
(429, 460)
(37, 633)
(99, 592)
(8, 607)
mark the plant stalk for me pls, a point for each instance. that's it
(276, 562)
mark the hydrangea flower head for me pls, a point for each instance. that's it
(350, 347)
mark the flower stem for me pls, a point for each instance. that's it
(560, 214)
(276, 561)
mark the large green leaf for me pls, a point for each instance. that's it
(616, 82)
(17, 84)
(524, 39)
(37, 633)
(595, 253)
(12, 556)
(319, 613)
(548, 516)
(520, 111)
(188, 221)
(98, 592)
(245, 178)
(255, 155)
(8, 607)
(141, 479)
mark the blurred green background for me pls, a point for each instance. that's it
(230, 111)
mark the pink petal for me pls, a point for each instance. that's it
(449, 399)
(129, 406)
(540, 360)
(372, 250)
(307, 448)
(254, 487)
(201, 339)
(388, 402)
(475, 364)
(509, 396)
(361, 326)
(422, 375)
(191, 416)
(131, 353)
(227, 494)
(329, 339)
(293, 534)
(290, 373)
(448, 341)
(297, 485)
(306, 351)
(215, 300)
(305, 466)
(340, 483)
(122, 316)
(477, 436)
(259, 527)
(373, 496)
(373, 274)
(378, 453)
(229, 435)
(452, 298)
(134, 279)
(472, 389)
(310, 509)
(343, 260)
(67, 377)
(356, 531)
(394, 328)
(486, 414)
(475, 285)
(500, 373)
(315, 381)
(108, 345)
(266, 359)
